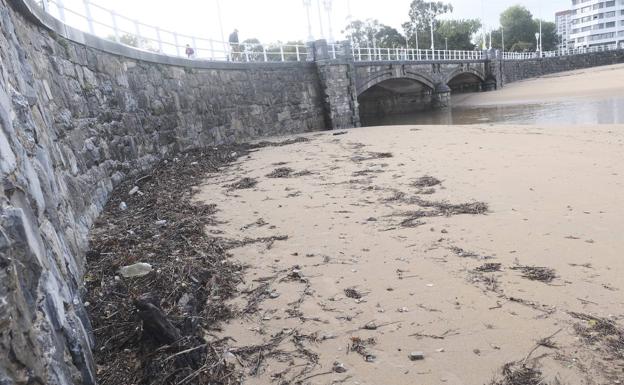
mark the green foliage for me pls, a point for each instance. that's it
(371, 33)
(518, 24)
(422, 13)
(460, 33)
(133, 41)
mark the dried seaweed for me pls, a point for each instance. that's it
(280, 172)
(244, 183)
(536, 273)
(426, 181)
(489, 268)
(514, 373)
(153, 219)
(597, 330)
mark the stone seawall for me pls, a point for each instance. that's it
(514, 70)
(75, 120)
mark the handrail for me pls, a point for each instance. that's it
(155, 39)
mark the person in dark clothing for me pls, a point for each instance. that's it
(189, 51)
(234, 46)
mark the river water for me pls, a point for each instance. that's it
(609, 110)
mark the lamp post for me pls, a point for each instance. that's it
(328, 9)
(225, 46)
(537, 41)
(320, 16)
(446, 43)
(307, 4)
(431, 26)
(503, 38)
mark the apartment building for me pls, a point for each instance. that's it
(597, 22)
(563, 21)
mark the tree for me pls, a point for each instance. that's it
(517, 22)
(460, 33)
(274, 51)
(133, 41)
(371, 33)
(421, 15)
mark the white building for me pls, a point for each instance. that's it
(563, 21)
(597, 22)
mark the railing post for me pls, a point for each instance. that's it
(61, 9)
(212, 55)
(44, 5)
(264, 53)
(87, 7)
(160, 46)
(177, 44)
(137, 31)
(297, 50)
(282, 52)
(115, 29)
(359, 54)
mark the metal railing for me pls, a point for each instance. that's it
(108, 24)
(410, 54)
(557, 53)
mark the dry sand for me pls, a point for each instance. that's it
(556, 200)
(606, 81)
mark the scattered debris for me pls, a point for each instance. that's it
(416, 356)
(244, 183)
(535, 273)
(514, 373)
(286, 142)
(136, 270)
(597, 330)
(489, 268)
(468, 254)
(426, 181)
(280, 172)
(340, 133)
(353, 293)
(339, 367)
(361, 346)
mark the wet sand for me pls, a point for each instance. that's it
(555, 200)
(597, 82)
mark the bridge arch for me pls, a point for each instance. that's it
(465, 79)
(461, 71)
(386, 76)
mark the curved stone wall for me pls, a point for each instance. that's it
(76, 116)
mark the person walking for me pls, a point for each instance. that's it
(189, 51)
(234, 46)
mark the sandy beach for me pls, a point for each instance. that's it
(476, 246)
(596, 82)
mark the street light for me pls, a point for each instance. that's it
(307, 4)
(320, 16)
(431, 14)
(537, 41)
(328, 9)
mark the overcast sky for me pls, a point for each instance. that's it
(272, 20)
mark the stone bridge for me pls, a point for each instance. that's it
(358, 90)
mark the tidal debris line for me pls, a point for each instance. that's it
(158, 282)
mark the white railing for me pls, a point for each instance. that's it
(410, 54)
(561, 52)
(108, 24)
